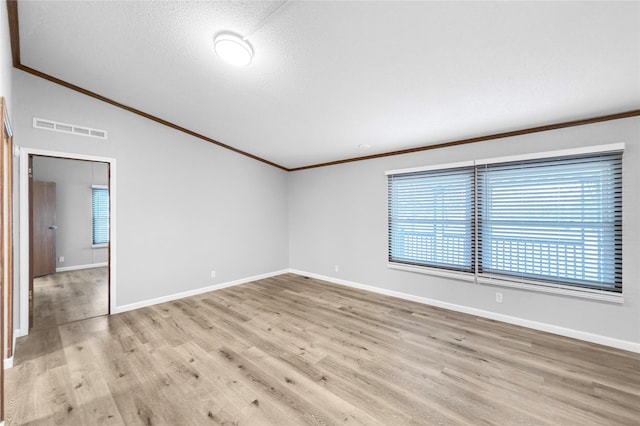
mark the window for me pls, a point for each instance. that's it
(431, 218)
(548, 221)
(100, 214)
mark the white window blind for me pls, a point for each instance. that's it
(100, 215)
(431, 218)
(552, 221)
(557, 220)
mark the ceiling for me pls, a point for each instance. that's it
(328, 76)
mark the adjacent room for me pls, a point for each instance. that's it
(320, 212)
(69, 236)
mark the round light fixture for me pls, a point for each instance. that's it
(233, 49)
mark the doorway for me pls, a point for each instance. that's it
(71, 274)
(69, 209)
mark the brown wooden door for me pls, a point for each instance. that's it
(44, 228)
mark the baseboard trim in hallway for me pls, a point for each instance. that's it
(79, 267)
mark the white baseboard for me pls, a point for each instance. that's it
(78, 267)
(549, 328)
(8, 362)
(181, 295)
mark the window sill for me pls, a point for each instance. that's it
(95, 246)
(463, 276)
(548, 288)
(603, 296)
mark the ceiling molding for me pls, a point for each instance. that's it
(14, 33)
(12, 8)
(574, 123)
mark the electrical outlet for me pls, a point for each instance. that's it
(213, 274)
(336, 268)
(499, 297)
(60, 259)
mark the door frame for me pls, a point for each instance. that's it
(25, 237)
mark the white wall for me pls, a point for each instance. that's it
(74, 236)
(338, 215)
(184, 206)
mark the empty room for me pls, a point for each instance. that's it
(320, 212)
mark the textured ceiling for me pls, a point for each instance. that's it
(328, 76)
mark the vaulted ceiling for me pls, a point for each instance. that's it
(330, 76)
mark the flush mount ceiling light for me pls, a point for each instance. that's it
(233, 49)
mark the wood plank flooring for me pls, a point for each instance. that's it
(69, 296)
(291, 350)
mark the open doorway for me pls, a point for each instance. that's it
(69, 240)
(69, 270)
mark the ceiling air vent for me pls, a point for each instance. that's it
(41, 123)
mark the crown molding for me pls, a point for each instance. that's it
(545, 128)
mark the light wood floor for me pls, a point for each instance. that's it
(291, 351)
(69, 296)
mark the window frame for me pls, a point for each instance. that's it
(456, 174)
(504, 280)
(93, 239)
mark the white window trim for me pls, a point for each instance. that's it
(536, 286)
(504, 281)
(494, 160)
(551, 154)
(433, 167)
(458, 275)
(550, 287)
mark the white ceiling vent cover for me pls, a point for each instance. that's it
(41, 123)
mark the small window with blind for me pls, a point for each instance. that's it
(553, 221)
(100, 203)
